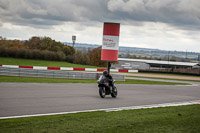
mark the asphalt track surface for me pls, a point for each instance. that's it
(40, 98)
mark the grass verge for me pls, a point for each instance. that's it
(164, 78)
(60, 80)
(32, 62)
(181, 119)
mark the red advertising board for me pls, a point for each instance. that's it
(110, 45)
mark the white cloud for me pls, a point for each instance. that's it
(159, 35)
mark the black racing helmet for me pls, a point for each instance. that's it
(105, 73)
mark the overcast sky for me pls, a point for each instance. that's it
(163, 24)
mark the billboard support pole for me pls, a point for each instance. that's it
(109, 66)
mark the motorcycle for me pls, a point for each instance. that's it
(105, 88)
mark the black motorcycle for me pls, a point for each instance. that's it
(105, 88)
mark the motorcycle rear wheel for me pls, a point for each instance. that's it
(102, 92)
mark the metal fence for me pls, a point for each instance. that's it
(53, 74)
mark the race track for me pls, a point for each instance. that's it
(40, 98)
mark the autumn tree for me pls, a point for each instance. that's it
(46, 43)
(33, 43)
(81, 58)
(68, 50)
(95, 57)
(11, 43)
(41, 48)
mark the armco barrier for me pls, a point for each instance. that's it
(68, 68)
(26, 72)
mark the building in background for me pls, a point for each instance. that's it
(141, 64)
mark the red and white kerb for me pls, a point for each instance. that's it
(110, 44)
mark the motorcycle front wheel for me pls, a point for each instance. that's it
(102, 92)
(114, 92)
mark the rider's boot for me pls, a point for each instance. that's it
(111, 89)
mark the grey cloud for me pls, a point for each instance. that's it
(183, 14)
(179, 13)
(39, 12)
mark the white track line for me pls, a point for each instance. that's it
(189, 85)
(112, 109)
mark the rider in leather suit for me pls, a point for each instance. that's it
(109, 78)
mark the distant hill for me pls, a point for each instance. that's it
(82, 45)
(144, 52)
(86, 46)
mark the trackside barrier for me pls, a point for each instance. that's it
(26, 72)
(68, 68)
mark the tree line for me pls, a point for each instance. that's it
(45, 48)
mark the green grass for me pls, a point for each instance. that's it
(60, 80)
(43, 80)
(164, 78)
(32, 62)
(182, 119)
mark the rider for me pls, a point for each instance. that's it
(109, 78)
